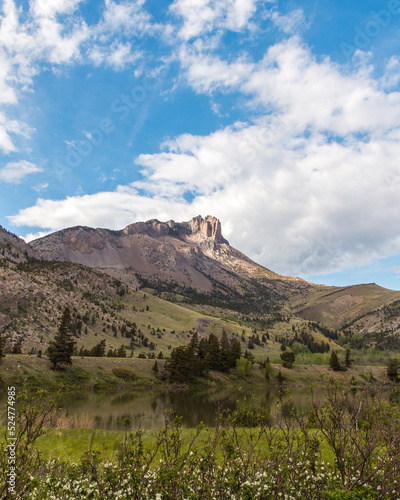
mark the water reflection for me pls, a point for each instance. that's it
(147, 409)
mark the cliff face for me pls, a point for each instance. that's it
(208, 228)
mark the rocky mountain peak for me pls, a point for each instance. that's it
(209, 227)
(151, 227)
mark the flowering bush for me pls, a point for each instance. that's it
(279, 458)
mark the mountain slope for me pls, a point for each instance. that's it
(34, 295)
(14, 248)
(359, 308)
(190, 257)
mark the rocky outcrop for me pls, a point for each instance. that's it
(209, 227)
(152, 227)
(13, 247)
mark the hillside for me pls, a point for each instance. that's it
(33, 296)
(358, 308)
(192, 258)
(162, 281)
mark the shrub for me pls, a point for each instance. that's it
(288, 359)
(243, 367)
(124, 373)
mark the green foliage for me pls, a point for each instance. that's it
(250, 414)
(183, 365)
(280, 377)
(348, 360)
(393, 368)
(99, 350)
(250, 454)
(2, 344)
(243, 367)
(334, 362)
(361, 493)
(61, 349)
(124, 373)
(188, 362)
(288, 359)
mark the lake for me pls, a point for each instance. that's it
(147, 409)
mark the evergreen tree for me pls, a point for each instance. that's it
(203, 348)
(2, 344)
(180, 365)
(334, 362)
(225, 351)
(61, 349)
(155, 367)
(393, 368)
(249, 356)
(213, 358)
(194, 343)
(236, 352)
(288, 358)
(17, 347)
(348, 361)
(99, 350)
(121, 353)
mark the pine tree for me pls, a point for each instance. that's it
(334, 362)
(348, 361)
(194, 343)
(225, 353)
(61, 349)
(213, 357)
(236, 352)
(121, 353)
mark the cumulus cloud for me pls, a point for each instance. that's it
(54, 33)
(309, 186)
(14, 172)
(299, 205)
(200, 17)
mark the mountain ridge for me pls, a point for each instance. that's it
(184, 262)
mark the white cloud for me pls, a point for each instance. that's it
(117, 55)
(292, 23)
(41, 187)
(299, 205)
(50, 8)
(14, 172)
(34, 236)
(204, 16)
(308, 93)
(53, 33)
(126, 17)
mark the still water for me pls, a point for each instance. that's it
(147, 409)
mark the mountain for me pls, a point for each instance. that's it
(192, 258)
(13, 247)
(106, 276)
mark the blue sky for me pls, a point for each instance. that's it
(282, 118)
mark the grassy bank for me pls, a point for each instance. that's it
(133, 373)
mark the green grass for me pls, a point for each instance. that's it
(71, 444)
